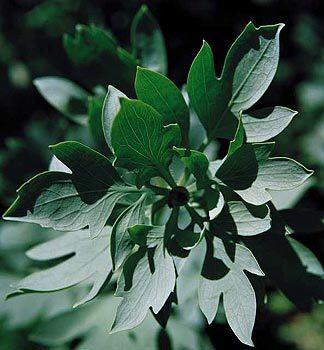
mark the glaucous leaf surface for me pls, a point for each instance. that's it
(248, 70)
(250, 173)
(162, 94)
(65, 96)
(90, 263)
(264, 124)
(121, 243)
(70, 202)
(238, 218)
(141, 288)
(231, 282)
(110, 109)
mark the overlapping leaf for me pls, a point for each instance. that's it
(90, 263)
(66, 201)
(225, 276)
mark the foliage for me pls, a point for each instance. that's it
(144, 220)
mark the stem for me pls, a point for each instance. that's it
(165, 173)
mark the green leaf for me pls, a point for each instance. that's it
(239, 138)
(148, 42)
(196, 162)
(248, 70)
(140, 141)
(65, 96)
(238, 295)
(250, 173)
(250, 66)
(121, 244)
(146, 235)
(68, 202)
(286, 267)
(162, 94)
(146, 289)
(238, 218)
(189, 239)
(95, 107)
(203, 87)
(90, 263)
(88, 44)
(307, 257)
(110, 109)
(263, 124)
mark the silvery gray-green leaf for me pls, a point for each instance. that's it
(264, 124)
(121, 243)
(238, 295)
(146, 290)
(64, 95)
(238, 218)
(90, 263)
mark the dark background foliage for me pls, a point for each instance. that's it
(31, 46)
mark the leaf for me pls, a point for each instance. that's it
(69, 202)
(88, 44)
(248, 70)
(110, 109)
(196, 162)
(266, 123)
(288, 268)
(146, 289)
(242, 219)
(202, 87)
(95, 107)
(89, 263)
(239, 138)
(121, 243)
(250, 65)
(307, 257)
(140, 141)
(162, 94)
(238, 294)
(89, 324)
(148, 42)
(250, 173)
(65, 96)
(146, 235)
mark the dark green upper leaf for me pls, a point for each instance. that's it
(162, 94)
(70, 202)
(140, 140)
(89, 43)
(248, 70)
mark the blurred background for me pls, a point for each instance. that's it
(31, 46)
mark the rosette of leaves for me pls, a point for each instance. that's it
(145, 219)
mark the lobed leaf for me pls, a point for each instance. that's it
(90, 263)
(238, 295)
